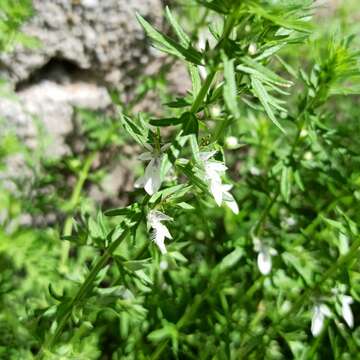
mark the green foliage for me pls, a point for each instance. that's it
(270, 273)
(12, 15)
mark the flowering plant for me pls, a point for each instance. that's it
(272, 274)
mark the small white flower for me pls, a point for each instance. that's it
(252, 49)
(215, 110)
(151, 181)
(265, 254)
(231, 142)
(160, 231)
(228, 199)
(303, 133)
(346, 311)
(255, 171)
(213, 171)
(320, 311)
(308, 155)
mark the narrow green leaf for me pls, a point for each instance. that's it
(190, 124)
(166, 121)
(180, 33)
(229, 89)
(261, 93)
(164, 43)
(195, 79)
(263, 73)
(136, 132)
(286, 182)
(288, 23)
(119, 212)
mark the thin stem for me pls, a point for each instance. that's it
(307, 294)
(72, 204)
(84, 290)
(202, 93)
(228, 27)
(341, 261)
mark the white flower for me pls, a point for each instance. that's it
(252, 49)
(160, 231)
(346, 311)
(318, 317)
(213, 171)
(265, 253)
(228, 199)
(231, 142)
(151, 181)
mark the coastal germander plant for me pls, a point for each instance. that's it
(242, 237)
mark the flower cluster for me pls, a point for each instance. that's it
(151, 181)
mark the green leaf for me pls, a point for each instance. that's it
(119, 212)
(53, 293)
(261, 93)
(263, 73)
(195, 79)
(185, 206)
(166, 121)
(288, 23)
(138, 133)
(190, 124)
(180, 33)
(160, 334)
(222, 7)
(164, 43)
(230, 260)
(286, 182)
(229, 89)
(178, 103)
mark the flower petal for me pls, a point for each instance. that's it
(233, 206)
(215, 167)
(139, 183)
(149, 147)
(152, 179)
(216, 190)
(264, 261)
(206, 155)
(145, 156)
(164, 231)
(159, 216)
(230, 201)
(165, 147)
(159, 241)
(346, 310)
(317, 321)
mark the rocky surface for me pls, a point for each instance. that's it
(85, 45)
(100, 36)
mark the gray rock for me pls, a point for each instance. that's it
(85, 46)
(102, 37)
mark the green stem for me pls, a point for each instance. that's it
(228, 27)
(202, 93)
(84, 290)
(71, 205)
(340, 263)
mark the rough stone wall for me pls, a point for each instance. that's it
(85, 46)
(101, 36)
